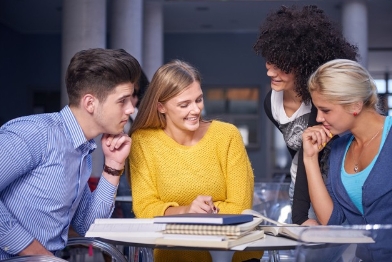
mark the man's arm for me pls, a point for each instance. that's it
(20, 152)
(35, 248)
(116, 149)
(100, 204)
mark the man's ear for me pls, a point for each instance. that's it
(89, 102)
(161, 108)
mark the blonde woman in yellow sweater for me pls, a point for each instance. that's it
(182, 164)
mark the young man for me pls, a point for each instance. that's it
(45, 159)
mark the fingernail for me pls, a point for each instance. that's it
(330, 135)
(320, 147)
(324, 144)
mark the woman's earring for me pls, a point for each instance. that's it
(355, 114)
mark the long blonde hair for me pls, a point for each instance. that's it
(168, 81)
(344, 82)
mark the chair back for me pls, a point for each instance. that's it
(272, 200)
(36, 258)
(103, 246)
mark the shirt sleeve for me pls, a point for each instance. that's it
(20, 152)
(99, 204)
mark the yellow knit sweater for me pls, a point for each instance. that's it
(165, 173)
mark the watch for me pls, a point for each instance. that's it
(112, 171)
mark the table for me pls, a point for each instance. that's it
(218, 255)
(127, 199)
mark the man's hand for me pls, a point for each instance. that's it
(116, 149)
(35, 248)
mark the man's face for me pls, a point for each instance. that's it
(113, 113)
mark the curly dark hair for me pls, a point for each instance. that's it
(299, 41)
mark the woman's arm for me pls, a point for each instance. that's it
(314, 140)
(239, 175)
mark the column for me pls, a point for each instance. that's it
(126, 26)
(153, 37)
(83, 27)
(355, 26)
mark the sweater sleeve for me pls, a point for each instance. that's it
(239, 176)
(145, 197)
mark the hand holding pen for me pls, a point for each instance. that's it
(203, 204)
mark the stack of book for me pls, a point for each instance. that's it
(209, 230)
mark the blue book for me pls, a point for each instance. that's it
(208, 219)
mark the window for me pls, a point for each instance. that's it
(236, 105)
(384, 89)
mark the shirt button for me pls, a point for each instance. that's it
(6, 248)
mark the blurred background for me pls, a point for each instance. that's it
(38, 38)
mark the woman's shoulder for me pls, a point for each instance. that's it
(223, 126)
(146, 133)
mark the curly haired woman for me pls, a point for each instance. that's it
(295, 42)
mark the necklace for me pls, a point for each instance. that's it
(356, 163)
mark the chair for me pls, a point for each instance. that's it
(271, 199)
(345, 243)
(107, 248)
(37, 258)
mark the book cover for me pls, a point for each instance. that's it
(209, 241)
(203, 229)
(196, 218)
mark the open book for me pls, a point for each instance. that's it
(313, 234)
(277, 228)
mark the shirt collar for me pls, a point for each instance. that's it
(75, 131)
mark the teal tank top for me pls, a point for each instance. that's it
(354, 182)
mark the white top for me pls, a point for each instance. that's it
(291, 127)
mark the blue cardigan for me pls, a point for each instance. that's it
(376, 198)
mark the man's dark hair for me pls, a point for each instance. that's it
(98, 71)
(143, 84)
(299, 41)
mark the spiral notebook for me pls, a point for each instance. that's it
(208, 241)
(203, 229)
